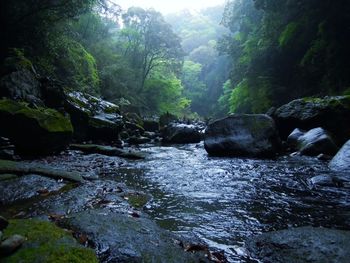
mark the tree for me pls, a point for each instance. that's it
(150, 43)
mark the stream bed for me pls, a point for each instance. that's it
(221, 201)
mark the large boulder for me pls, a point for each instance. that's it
(304, 244)
(330, 113)
(34, 131)
(314, 142)
(341, 161)
(242, 135)
(181, 133)
(21, 85)
(93, 118)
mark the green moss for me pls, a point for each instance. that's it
(17, 60)
(49, 119)
(45, 242)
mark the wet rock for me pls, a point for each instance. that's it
(181, 133)
(122, 238)
(151, 125)
(138, 140)
(341, 161)
(46, 241)
(330, 113)
(107, 150)
(166, 119)
(93, 118)
(150, 135)
(3, 223)
(314, 142)
(293, 138)
(324, 157)
(26, 187)
(46, 130)
(23, 168)
(242, 135)
(304, 244)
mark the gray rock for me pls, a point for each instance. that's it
(123, 238)
(21, 85)
(181, 133)
(314, 142)
(242, 135)
(93, 118)
(293, 138)
(331, 113)
(341, 161)
(11, 244)
(304, 244)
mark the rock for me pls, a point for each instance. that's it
(341, 161)
(6, 149)
(166, 119)
(330, 113)
(314, 142)
(34, 131)
(107, 150)
(23, 168)
(133, 127)
(323, 180)
(304, 244)
(21, 85)
(46, 241)
(181, 133)
(122, 238)
(93, 118)
(324, 157)
(11, 244)
(151, 125)
(138, 140)
(52, 93)
(242, 135)
(3, 223)
(293, 138)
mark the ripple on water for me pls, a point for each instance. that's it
(225, 200)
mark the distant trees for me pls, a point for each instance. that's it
(149, 42)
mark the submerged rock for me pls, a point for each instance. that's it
(181, 133)
(341, 161)
(123, 238)
(242, 135)
(330, 113)
(34, 131)
(304, 244)
(46, 241)
(314, 142)
(93, 118)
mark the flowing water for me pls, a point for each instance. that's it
(223, 201)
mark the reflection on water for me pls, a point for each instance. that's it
(223, 200)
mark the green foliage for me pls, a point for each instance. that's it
(288, 33)
(165, 95)
(300, 49)
(76, 66)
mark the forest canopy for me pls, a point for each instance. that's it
(247, 56)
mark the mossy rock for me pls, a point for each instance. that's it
(34, 131)
(330, 113)
(45, 242)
